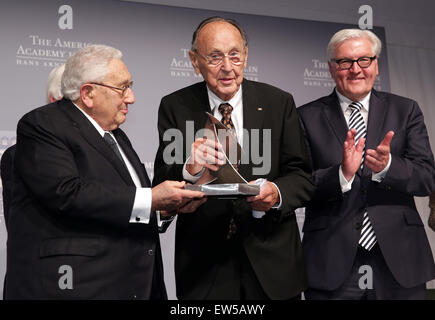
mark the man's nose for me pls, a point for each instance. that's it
(355, 68)
(226, 64)
(129, 96)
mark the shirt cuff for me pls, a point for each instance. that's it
(378, 177)
(259, 214)
(142, 206)
(277, 206)
(345, 185)
(188, 177)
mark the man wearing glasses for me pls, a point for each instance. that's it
(225, 250)
(83, 221)
(370, 153)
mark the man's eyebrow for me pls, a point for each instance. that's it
(125, 82)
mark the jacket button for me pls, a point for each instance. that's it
(151, 252)
(358, 225)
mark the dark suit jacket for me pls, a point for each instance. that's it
(271, 243)
(333, 220)
(72, 208)
(6, 171)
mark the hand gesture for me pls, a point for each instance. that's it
(352, 154)
(205, 153)
(378, 159)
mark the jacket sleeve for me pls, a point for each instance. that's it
(412, 169)
(295, 182)
(169, 161)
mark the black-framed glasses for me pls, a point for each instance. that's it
(346, 64)
(123, 89)
(217, 58)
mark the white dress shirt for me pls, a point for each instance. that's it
(344, 104)
(142, 201)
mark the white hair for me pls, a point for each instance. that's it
(346, 34)
(86, 65)
(54, 83)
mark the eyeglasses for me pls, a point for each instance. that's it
(346, 64)
(217, 58)
(123, 89)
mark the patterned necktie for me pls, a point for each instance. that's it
(225, 109)
(356, 121)
(114, 146)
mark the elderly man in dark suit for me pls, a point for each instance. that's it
(84, 222)
(245, 248)
(370, 152)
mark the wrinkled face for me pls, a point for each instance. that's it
(110, 106)
(220, 38)
(356, 82)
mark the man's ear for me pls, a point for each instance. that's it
(194, 59)
(87, 93)
(245, 63)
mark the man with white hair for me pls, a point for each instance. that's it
(370, 153)
(83, 221)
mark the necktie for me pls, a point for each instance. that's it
(368, 238)
(225, 109)
(356, 122)
(112, 143)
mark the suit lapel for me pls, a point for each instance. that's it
(199, 105)
(335, 117)
(253, 112)
(253, 115)
(376, 118)
(132, 157)
(86, 129)
(337, 122)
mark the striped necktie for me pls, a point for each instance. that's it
(356, 121)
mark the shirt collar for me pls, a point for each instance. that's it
(94, 123)
(215, 101)
(345, 102)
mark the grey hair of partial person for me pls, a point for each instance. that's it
(214, 19)
(346, 34)
(87, 65)
(54, 83)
